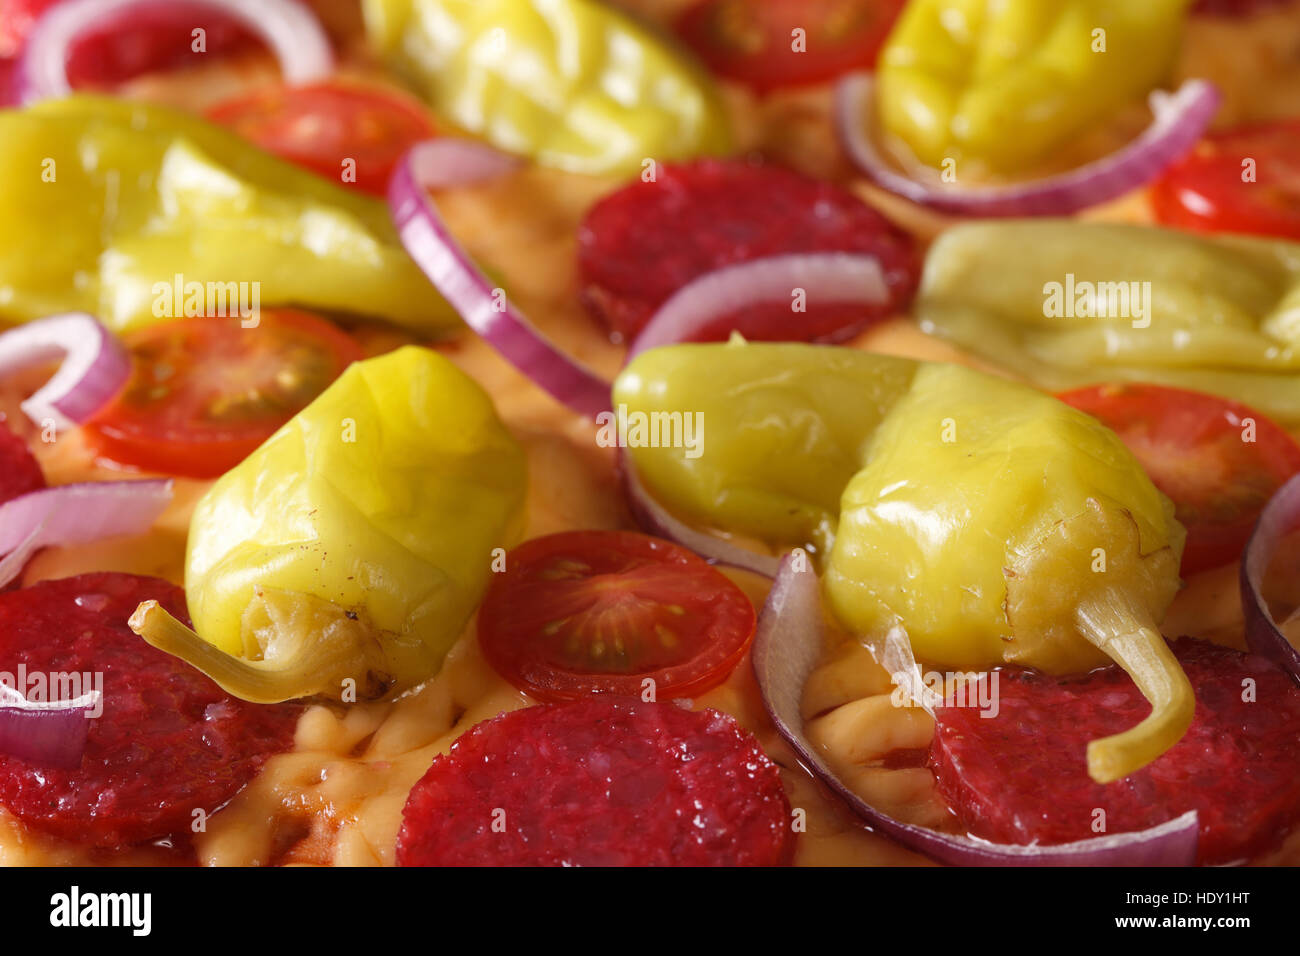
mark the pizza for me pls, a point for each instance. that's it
(671, 432)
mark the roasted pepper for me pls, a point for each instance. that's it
(991, 521)
(355, 543)
(1001, 83)
(1068, 303)
(107, 201)
(572, 84)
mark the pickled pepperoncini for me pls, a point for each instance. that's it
(126, 197)
(572, 84)
(1000, 85)
(1069, 303)
(344, 556)
(990, 521)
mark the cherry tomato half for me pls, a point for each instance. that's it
(1200, 451)
(205, 392)
(585, 612)
(322, 126)
(1205, 190)
(755, 41)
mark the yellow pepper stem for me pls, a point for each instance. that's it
(1128, 637)
(316, 668)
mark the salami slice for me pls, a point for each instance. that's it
(1235, 8)
(641, 244)
(126, 44)
(610, 781)
(169, 741)
(1021, 776)
(6, 81)
(19, 470)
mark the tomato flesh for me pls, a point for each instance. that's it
(205, 392)
(322, 126)
(585, 612)
(1205, 190)
(755, 41)
(1198, 450)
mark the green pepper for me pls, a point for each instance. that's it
(355, 542)
(572, 84)
(990, 521)
(1002, 84)
(106, 202)
(1067, 303)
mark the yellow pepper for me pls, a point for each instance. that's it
(991, 522)
(1069, 303)
(1001, 83)
(572, 84)
(348, 551)
(107, 201)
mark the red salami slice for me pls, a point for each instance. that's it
(1236, 8)
(643, 243)
(609, 781)
(169, 741)
(19, 471)
(1021, 776)
(125, 45)
(6, 81)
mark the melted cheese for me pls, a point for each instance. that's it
(337, 797)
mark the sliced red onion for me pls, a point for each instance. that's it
(445, 162)
(94, 368)
(47, 733)
(655, 519)
(1280, 517)
(76, 514)
(290, 29)
(787, 648)
(1178, 120)
(828, 277)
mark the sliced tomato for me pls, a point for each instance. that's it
(323, 125)
(205, 392)
(758, 43)
(1201, 451)
(1205, 190)
(130, 43)
(587, 612)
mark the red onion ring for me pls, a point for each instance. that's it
(290, 29)
(655, 519)
(1178, 120)
(1280, 517)
(94, 368)
(836, 277)
(51, 734)
(76, 514)
(444, 162)
(787, 647)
